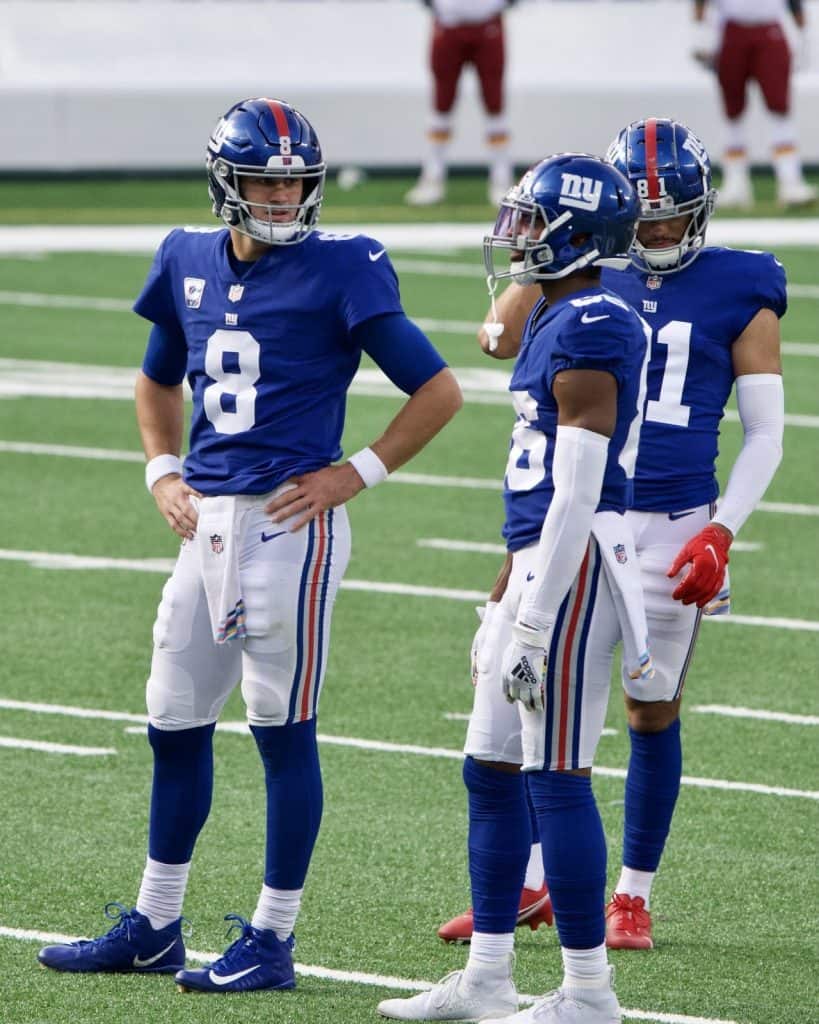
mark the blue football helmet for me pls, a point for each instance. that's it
(264, 138)
(568, 212)
(670, 169)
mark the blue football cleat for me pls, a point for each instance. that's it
(258, 959)
(132, 945)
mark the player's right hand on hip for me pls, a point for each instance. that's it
(173, 499)
(523, 669)
(707, 552)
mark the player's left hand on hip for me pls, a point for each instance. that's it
(708, 554)
(523, 669)
(312, 494)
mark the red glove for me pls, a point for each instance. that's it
(708, 554)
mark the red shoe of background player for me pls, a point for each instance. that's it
(628, 923)
(535, 908)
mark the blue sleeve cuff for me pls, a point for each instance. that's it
(166, 357)
(400, 348)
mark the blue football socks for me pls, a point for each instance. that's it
(652, 788)
(574, 855)
(499, 842)
(292, 776)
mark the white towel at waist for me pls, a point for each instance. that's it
(217, 536)
(616, 542)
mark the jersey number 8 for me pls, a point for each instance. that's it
(238, 413)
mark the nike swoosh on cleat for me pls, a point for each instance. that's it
(226, 979)
(376, 255)
(586, 319)
(673, 516)
(139, 962)
(271, 536)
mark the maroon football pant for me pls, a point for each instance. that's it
(759, 53)
(453, 48)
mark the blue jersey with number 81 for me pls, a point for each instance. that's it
(695, 316)
(587, 330)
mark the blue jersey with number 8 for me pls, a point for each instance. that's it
(267, 348)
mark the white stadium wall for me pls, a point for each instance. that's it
(137, 84)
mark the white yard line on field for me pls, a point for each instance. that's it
(767, 232)
(13, 743)
(21, 378)
(62, 561)
(414, 479)
(354, 977)
(241, 729)
(479, 548)
(71, 711)
(756, 713)
(469, 328)
(799, 348)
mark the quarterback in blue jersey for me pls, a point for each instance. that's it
(714, 318)
(267, 319)
(569, 593)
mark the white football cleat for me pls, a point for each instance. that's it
(570, 1006)
(798, 193)
(462, 995)
(426, 192)
(738, 195)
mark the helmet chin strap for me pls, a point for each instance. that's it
(495, 329)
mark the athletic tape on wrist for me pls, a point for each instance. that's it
(159, 466)
(369, 467)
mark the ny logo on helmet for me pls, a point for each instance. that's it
(219, 135)
(582, 193)
(696, 148)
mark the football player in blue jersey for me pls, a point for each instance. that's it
(714, 317)
(267, 318)
(568, 593)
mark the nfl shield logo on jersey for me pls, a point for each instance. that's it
(216, 543)
(194, 286)
(654, 282)
(235, 292)
(620, 553)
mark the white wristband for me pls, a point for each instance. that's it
(159, 466)
(369, 467)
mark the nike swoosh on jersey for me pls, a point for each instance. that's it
(272, 536)
(226, 979)
(376, 255)
(139, 962)
(530, 576)
(586, 319)
(673, 516)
